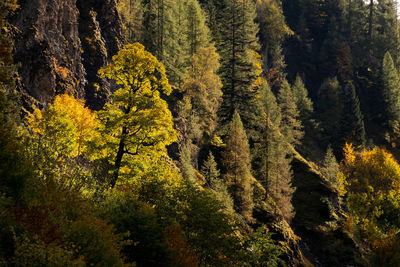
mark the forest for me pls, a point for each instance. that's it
(195, 133)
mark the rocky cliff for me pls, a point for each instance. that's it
(61, 44)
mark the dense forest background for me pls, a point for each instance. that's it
(199, 133)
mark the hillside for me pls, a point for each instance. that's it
(199, 133)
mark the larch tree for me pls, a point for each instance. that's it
(236, 160)
(202, 88)
(271, 159)
(273, 31)
(264, 156)
(137, 123)
(391, 94)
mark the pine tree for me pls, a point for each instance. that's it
(352, 124)
(236, 160)
(238, 69)
(291, 127)
(391, 93)
(303, 102)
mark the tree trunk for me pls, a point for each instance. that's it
(118, 159)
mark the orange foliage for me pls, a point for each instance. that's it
(176, 242)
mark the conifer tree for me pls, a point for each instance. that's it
(197, 111)
(203, 87)
(238, 72)
(291, 127)
(271, 159)
(198, 33)
(391, 93)
(217, 185)
(386, 36)
(273, 31)
(210, 170)
(303, 102)
(266, 153)
(187, 169)
(329, 110)
(352, 123)
(174, 31)
(236, 160)
(330, 166)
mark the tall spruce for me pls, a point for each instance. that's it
(210, 169)
(386, 31)
(291, 126)
(238, 70)
(391, 93)
(303, 102)
(329, 110)
(352, 123)
(236, 160)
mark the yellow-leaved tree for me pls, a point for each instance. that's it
(136, 123)
(373, 200)
(60, 135)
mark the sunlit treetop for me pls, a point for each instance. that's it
(65, 126)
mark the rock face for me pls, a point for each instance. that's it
(61, 44)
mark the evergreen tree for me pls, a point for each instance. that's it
(290, 127)
(391, 93)
(203, 87)
(330, 166)
(210, 170)
(329, 110)
(217, 185)
(386, 31)
(238, 67)
(271, 159)
(198, 33)
(131, 12)
(197, 111)
(174, 31)
(236, 160)
(273, 31)
(264, 156)
(303, 102)
(187, 169)
(352, 124)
